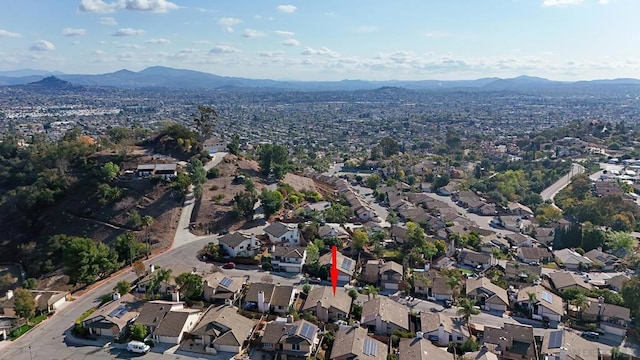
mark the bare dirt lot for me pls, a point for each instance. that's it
(299, 183)
(213, 213)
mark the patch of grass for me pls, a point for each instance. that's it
(466, 271)
(550, 265)
(391, 254)
(16, 333)
(38, 319)
(85, 315)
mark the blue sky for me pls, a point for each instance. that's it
(328, 39)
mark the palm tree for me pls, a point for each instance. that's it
(581, 302)
(466, 308)
(147, 221)
(453, 281)
(533, 299)
(161, 275)
(371, 290)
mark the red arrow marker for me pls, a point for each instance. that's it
(334, 269)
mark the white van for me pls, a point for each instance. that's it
(138, 347)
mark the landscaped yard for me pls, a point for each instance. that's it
(38, 319)
(20, 331)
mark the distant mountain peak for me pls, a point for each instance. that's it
(51, 82)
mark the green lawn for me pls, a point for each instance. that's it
(20, 331)
(466, 271)
(38, 319)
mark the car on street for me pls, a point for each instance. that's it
(591, 335)
(229, 265)
(138, 347)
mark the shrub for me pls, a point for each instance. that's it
(267, 266)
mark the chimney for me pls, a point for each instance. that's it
(261, 304)
(116, 296)
(152, 268)
(419, 335)
(600, 300)
(175, 296)
(289, 319)
(9, 294)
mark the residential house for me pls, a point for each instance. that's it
(482, 354)
(491, 241)
(153, 312)
(391, 275)
(511, 341)
(567, 345)
(283, 233)
(449, 189)
(326, 306)
(332, 230)
(356, 344)
(6, 324)
(239, 244)
(483, 208)
(510, 222)
(486, 294)
(317, 207)
(542, 304)
(289, 258)
(432, 285)
(113, 318)
(443, 329)
(223, 329)
(519, 240)
(421, 349)
(398, 233)
(346, 266)
(617, 282)
(382, 316)
(217, 287)
(571, 260)
(521, 272)
(175, 324)
(214, 145)
(602, 260)
(166, 171)
(298, 341)
(475, 259)
(265, 297)
(611, 319)
(46, 301)
(164, 287)
(563, 280)
(544, 235)
(520, 210)
(538, 255)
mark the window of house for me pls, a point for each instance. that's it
(295, 347)
(459, 338)
(450, 337)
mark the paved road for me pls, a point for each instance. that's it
(183, 235)
(550, 192)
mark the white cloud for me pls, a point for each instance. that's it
(42, 45)
(126, 56)
(160, 41)
(323, 51)
(205, 42)
(97, 6)
(98, 53)
(128, 32)
(228, 23)
(127, 45)
(73, 32)
(284, 33)
(271, 54)
(561, 2)
(223, 49)
(108, 20)
(9, 34)
(250, 33)
(603, 2)
(291, 42)
(286, 9)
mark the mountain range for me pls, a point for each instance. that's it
(165, 77)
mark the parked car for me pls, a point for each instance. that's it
(229, 265)
(315, 280)
(138, 347)
(591, 335)
(448, 304)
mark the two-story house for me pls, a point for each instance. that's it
(175, 324)
(239, 244)
(542, 304)
(221, 328)
(292, 341)
(322, 303)
(382, 316)
(432, 285)
(153, 312)
(283, 233)
(289, 258)
(511, 341)
(265, 297)
(346, 266)
(421, 349)
(356, 344)
(487, 295)
(391, 275)
(476, 260)
(611, 319)
(217, 287)
(443, 329)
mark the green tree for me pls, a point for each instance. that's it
(466, 308)
(415, 235)
(371, 291)
(128, 248)
(337, 213)
(206, 122)
(160, 276)
(243, 203)
(138, 332)
(6, 281)
(273, 159)
(581, 302)
(312, 254)
(389, 146)
(147, 222)
(372, 181)
(109, 171)
(353, 294)
(24, 304)
(359, 239)
(30, 283)
(631, 294)
(190, 285)
(86, 260)
(234, 145)
(306, 288)
(122, 287)
(271, 202)
(617, 240)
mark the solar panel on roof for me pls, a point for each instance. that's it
(226, 281)
(370, 347)
(547, 297)
(122, 312)
(115, 312)
(346, 264)
(555, 340)
(307, 331)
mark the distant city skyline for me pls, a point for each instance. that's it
(328, 39)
